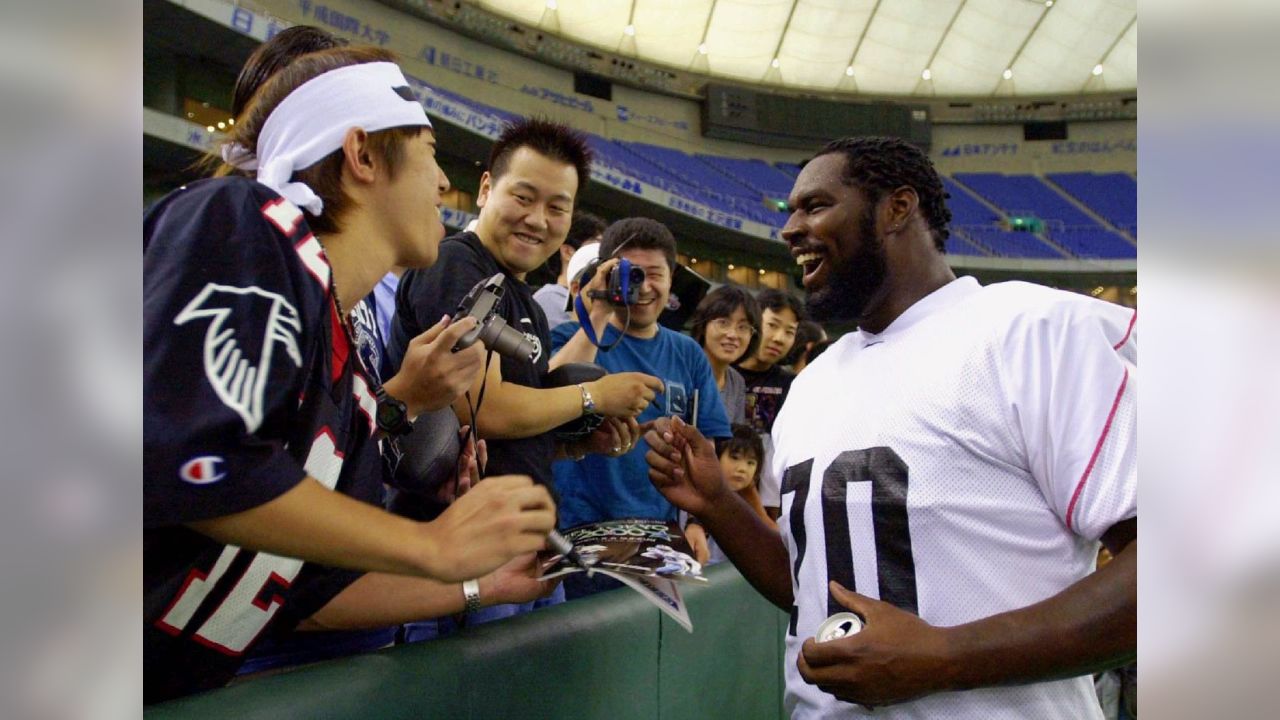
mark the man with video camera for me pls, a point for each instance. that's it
(526, 201)
(622, 300)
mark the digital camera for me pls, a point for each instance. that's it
(623, 285)
(481, 303)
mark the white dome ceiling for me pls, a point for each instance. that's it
(880, 47)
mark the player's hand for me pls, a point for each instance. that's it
(470, 467)
(684, 467)
(697, 537)
(896, 657)
(624, 394)
(498, 519)
(432, 376)
(515, 582)
(615, 437)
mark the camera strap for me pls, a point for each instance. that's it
(584, 321)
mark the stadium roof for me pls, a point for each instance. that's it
(947, 48)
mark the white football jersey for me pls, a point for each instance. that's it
(960, 464)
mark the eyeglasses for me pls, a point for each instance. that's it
(726, 325)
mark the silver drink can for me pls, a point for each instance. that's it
(842, 624)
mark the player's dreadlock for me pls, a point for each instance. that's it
(879, 165)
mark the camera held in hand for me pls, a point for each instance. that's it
(623, 285)
(481, 303)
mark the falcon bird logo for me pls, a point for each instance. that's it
(237, 361)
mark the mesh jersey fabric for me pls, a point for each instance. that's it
(959, 464)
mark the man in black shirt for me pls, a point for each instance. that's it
(526, 204)
(767, 381)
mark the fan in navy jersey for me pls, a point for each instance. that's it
(948, 470)
(260, 425)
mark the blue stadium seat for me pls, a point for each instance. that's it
(1113, 196)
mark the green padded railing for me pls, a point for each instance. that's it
(609, 657)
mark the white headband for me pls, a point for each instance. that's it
(312, 120)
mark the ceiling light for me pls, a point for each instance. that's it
(693, 261)
(1007, 74)
(1048, 3)
(730, 266)
(927, 74)
(702, 49)
(222, 126)
(231, 121)
(761, 271)
(775, 63)
(210, 128)
(630, 30)
(551, 4)
(848, 71)
(1097, 69)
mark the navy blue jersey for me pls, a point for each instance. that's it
(249, 385)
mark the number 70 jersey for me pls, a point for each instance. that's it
(959, 464)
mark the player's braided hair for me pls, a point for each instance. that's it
(879, 165)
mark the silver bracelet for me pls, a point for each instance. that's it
(471, 592)
(588, 405)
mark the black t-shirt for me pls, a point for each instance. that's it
(425, 296)
(249, 385)
(766, 392)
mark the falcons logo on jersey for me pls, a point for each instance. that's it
(235, 363)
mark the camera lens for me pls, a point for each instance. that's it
(505, 340)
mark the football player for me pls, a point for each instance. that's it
(948, 470)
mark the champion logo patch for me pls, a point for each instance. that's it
(203, 470)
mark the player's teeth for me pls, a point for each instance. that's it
(807, 258)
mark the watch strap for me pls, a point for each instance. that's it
(471, 595)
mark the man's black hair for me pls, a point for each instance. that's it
(720, 303)
(639, 234)
(553, 140)
(880, 165)
(775, 300)
(584, 227)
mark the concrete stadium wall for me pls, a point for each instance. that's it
(609, 657)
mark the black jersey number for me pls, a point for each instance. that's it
(895, 565)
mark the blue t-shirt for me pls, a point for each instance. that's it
(603, 488)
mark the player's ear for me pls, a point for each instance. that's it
(357, 156)
(897, 208)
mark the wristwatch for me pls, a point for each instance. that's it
(471, 591)
(393, 416)
(588, 405)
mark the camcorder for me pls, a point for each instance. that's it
(623, 285)
(481, 303)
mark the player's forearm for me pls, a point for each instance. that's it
(515, 411)
(755, 548)
(378, 600)
(1090, 626)
(313, 523)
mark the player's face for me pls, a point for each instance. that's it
(832, 234)
(727, 337)
(415, 195)
(777, 335)
(738, 469)
(525, 213)
(653, 294)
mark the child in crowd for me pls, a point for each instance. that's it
(741, 457)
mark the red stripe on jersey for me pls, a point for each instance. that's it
(1097, 450)
(1127, 332)
(283, 214)
(341, 348)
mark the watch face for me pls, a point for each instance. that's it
(390, 414)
